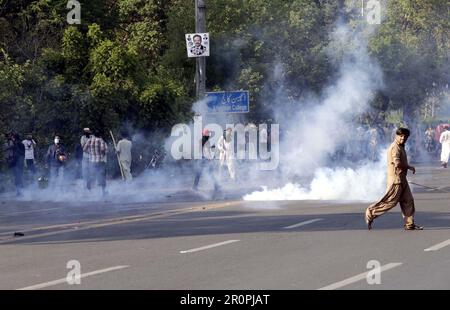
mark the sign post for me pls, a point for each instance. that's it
(228, 102)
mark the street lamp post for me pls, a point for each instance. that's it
(200, 27)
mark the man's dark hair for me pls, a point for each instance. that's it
(403, 131)
(197, 35)
(125, 134)
(98, 133)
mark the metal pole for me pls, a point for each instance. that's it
(200, 27)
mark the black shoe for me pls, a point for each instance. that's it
(413, 227)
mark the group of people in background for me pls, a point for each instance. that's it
(429, 141)
(363, 142)
(92, 150)
(226, 147)
(91, 153)
(437, 142)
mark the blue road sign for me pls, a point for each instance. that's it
(228, 102)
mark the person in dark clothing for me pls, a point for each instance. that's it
(56, 158)
(207, 162)
(15, 156)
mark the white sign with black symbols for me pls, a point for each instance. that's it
(197, 44)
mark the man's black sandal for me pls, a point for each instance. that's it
(414, 227)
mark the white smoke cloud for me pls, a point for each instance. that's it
(325, 124)
(328, 124)
(365, 183)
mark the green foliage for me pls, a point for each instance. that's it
(412, 45)
(12, 78)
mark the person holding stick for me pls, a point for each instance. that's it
(123, 150)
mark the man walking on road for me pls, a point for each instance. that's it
(97, 149)
(123, 148)
(398, 190)
(444, 139)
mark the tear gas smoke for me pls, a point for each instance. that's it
(325, 125)
(365, 183)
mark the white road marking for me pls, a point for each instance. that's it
(62, 281)
(357, 278)
(438, 246)
(208, 246)
(302, 223)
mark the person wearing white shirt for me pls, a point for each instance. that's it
(226, 149)
(30, 146)
(123, 148)
(445, 142)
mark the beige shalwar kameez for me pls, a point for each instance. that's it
(398, 190)
(123, 148)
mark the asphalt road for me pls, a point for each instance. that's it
(228, 244)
